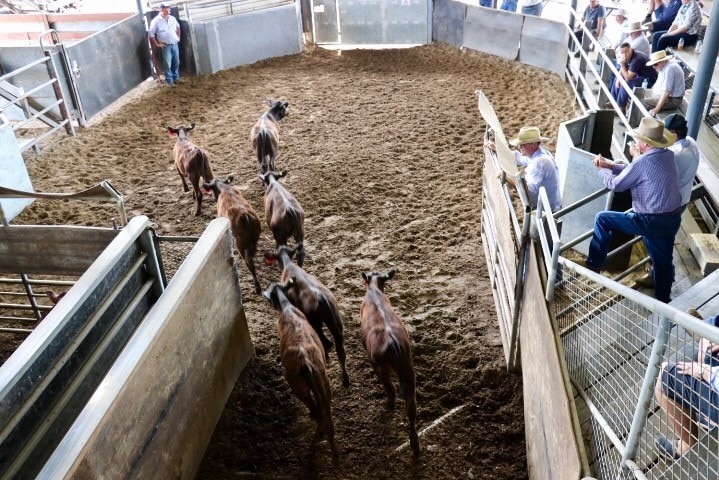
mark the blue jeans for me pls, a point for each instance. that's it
(533, 10)
(621, 95)
(509, 5)
(171, 62)
(660, 41)
(691, 392)
(657, 231)
(485, 3)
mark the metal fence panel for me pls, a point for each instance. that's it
(493, 31)
(448, 22)
(384, 21)
(110, 63)
(324, 16)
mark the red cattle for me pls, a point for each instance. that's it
(265, 134)
(191, 162)
(284, 213)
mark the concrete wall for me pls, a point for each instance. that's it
(14, 174)
(247, 38)
(528, 39)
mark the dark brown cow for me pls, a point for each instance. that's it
(386, 340)
(191, 162)
(314, 300)
(244, 222)
(303, 360)
(265, 134)
(284, 213)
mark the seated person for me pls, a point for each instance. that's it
(634, 70)
(668, 91)
(593, 18)
(664, 14)
(686, 25)
(621, 18)
(687, 389)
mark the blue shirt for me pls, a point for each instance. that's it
(652, 178)
(593, 15)
(668, 12)
(638, 65)
(541, 171)
(686, 154)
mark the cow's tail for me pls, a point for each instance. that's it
(264, 157)
(207, 172)
(320, 389)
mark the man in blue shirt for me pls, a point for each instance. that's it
(634, 70)
(653, 180)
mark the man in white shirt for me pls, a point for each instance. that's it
(668, 91)
(165, 34)
(638, 39)
(621, 18)
(686, 154)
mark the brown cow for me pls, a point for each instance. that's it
(386, 340)
(191, 162)
(284, 213)
(314, 300)
(303, 360)
(244, 222)
(265, 134)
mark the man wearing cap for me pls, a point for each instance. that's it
(540, 168)
(634, 70)
(668, 91)
(165, 34)
(686, 156)
(653, 180)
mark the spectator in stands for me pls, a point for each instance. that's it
(486, 3)
(686, 25)
(686, 389)
(638, 39)
(593, 19)
(654, 183)
(540, 168)
(664, 14)
(509, 5)
(621, 18)
(668, 91)
(634, 70)
(686, 154)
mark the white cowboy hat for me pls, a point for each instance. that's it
(621, 13)
(660, 56)
(634, 27)
(652, 131)
(527, 135)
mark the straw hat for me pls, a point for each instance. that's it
(527, 135)
(634, 27)
(660, 56)
(621, 13)
(652, 131)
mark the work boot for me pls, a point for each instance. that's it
(695, 313)
(647, 281)
(590, 267)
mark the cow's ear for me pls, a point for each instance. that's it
(364, 277)
(262, 178)
(283, 173)
(268, 294)
(192, 126)
(285, 105)
(229, 179)
(269, 102)
(390, 274)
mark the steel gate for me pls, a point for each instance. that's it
(367, 22)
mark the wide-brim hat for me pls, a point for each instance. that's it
(621, 13)
(652, 131)
(527, 135)
(635, 27)
(660, 56)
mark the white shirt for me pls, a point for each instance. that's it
(641, 44)
(165, 31)
(541, 171)
(670, 79)
(686, 154)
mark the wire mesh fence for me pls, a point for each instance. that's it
(646, 383)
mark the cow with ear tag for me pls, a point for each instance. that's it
(191, 162)
(284, 213)
(265, 134)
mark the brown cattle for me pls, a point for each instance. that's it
(284, 213)
(191, 162)
(316, 302)
(265, 134)
(386, 340)
(303, 360)
(244, 222)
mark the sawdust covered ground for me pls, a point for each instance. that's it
(383, 150)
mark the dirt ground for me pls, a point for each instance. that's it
(383, 150)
